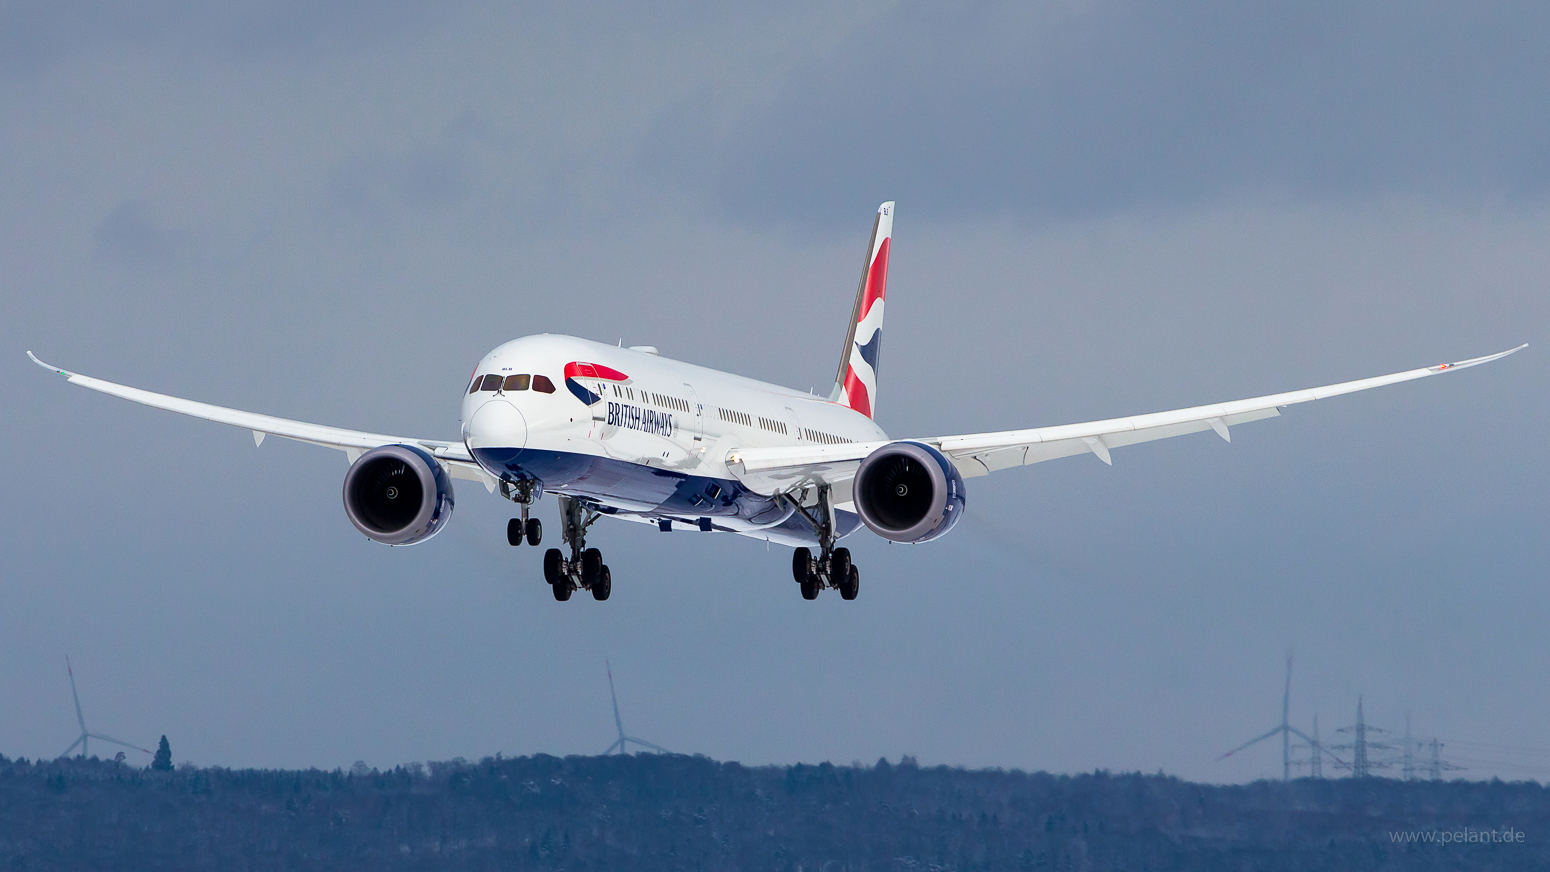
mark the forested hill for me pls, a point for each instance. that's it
(673, 812)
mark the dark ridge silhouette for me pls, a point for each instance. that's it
(670, 812)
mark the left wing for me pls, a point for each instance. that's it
(452, 455)
(781, 469)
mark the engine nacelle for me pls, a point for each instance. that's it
(908, 492)
(398, 495)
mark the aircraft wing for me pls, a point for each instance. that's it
(453, 455)
(975, 454)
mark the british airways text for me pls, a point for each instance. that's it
(644, 420)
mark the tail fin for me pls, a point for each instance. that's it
(855, 384)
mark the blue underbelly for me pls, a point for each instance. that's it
(619, 486)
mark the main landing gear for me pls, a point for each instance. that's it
(585, 569)
(832, 566)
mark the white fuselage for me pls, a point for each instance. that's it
(642, 436)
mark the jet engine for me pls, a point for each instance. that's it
(398, 495)
(908, 492)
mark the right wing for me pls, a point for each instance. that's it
(452, 455)
(974, 454)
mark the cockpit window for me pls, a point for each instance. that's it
(516, 382)
(474, 385)
(542, 384)
(492, 382)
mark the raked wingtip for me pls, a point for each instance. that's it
(1476, 361)
(34, 359)
(1509, 352)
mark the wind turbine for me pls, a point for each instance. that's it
(80, 719)
(1285, 730)
(623, 742)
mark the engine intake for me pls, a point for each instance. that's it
(908, 492)
(398, 495)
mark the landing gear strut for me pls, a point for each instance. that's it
(832, 566)
(584, 570)
(524, 528)
(523, 493)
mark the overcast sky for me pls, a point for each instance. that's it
(331, 211)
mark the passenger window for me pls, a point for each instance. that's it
(492, 382)
(542, 384)
(516, 382)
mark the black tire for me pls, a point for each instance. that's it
(604, 585)
(554, 566)
(562, 589)
(591, 567)
(839, 565)
(535, 531)
(801, 564)
(514, 532)
(851, 586)
(810, 587)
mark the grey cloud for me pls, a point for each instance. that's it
(1045, 110)
(41, 35)
(131, 236)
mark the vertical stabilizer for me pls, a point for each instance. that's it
(855, 384)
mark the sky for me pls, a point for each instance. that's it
(330, 212)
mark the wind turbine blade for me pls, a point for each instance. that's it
(79, 718)
(1286, 694)
(1332, 755)
(644, 744)
(618, 721)
(618, 743)
(1314, 743)
(1259, 738)
(119, 742)
(73, 746)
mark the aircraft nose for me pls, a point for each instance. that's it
(496, 427)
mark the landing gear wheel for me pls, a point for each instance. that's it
(801, 564)
(839, 566)
(591, 567)
(562, 589)
(514, 532)
(554, 567)
(603, 586)
(535, 532)
(850, 584)
(810, 588)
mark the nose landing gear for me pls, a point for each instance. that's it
(523, 529)
(518, 530)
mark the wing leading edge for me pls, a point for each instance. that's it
(978, 454)
(453, 455)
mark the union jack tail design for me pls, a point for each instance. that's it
(855, 384)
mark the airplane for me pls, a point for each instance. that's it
(624, 432)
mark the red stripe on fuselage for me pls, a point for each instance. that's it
(581, 369)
